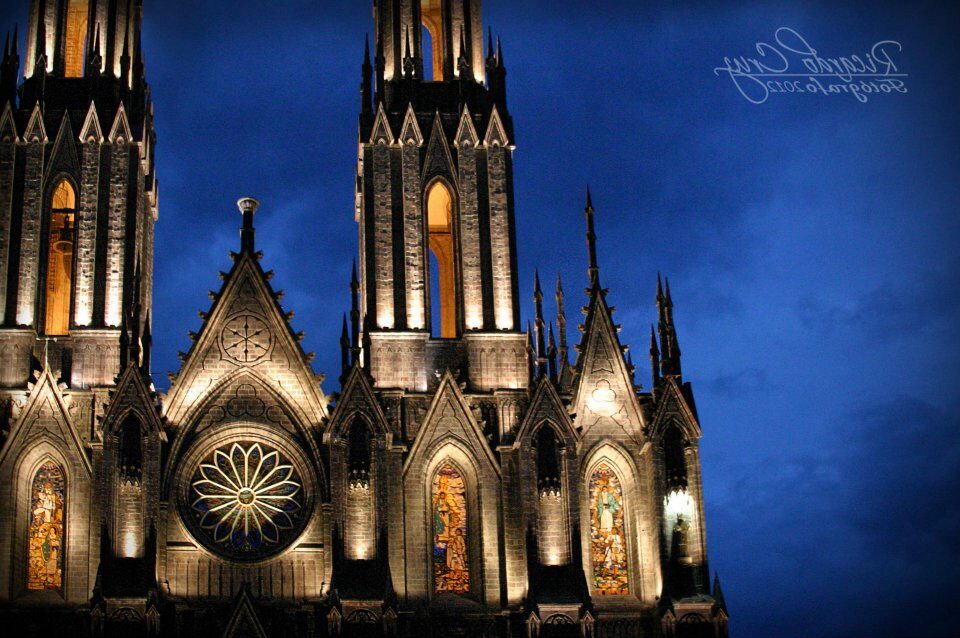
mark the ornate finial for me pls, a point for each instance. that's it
(248, 207)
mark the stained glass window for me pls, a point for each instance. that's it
(45, 552)
(451, 566)
(247, 500)
(608, 546)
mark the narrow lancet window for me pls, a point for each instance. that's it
(432, 38)
(440, 229)
(608, 546)
(60, 247)
(46, 539)
(358, 457)
(76, 38)
(131, 451)
(451, 565)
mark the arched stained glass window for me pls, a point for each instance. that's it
(46, 539)
(451, 565)
(608, 544)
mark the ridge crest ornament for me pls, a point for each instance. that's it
(245, 500)
(246, 338)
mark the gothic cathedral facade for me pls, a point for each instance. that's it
(470, 477)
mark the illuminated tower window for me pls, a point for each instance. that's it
(45, 537)
(608, 546)
(443, 288)
(76, 38)
(451, 566)
(432, 38)
(63, 212)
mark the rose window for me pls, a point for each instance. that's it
(246, 500)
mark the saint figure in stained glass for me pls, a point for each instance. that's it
(45, 551)
(450, 563)
(607, 533)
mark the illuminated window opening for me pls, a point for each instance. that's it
(76, 38)
(443, 286)
(451, 563)
(432, 38)
(63, 211)
(45, 538)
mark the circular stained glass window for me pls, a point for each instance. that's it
(246, 500)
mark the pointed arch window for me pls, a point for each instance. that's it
(443, 283)
(451, 565)
(358, 454)
(60, 248)
(75, 42)
(608, 538)
(548, 461)
(432, 37)
(131, 450)
(45, 537)
(674, 458)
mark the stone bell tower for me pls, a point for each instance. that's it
(78, 196)
(437, 285)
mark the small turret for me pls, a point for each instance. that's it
(539, 326)
(248, 207)
(366, 82)
(561, 324)
(593, 269)
(344, 350)
(354, 316)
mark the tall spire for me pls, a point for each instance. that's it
(366, 84)
(248, 207)
(94, 59)
(146, 345)
(670, 347)
(561, 323)
(552, 352)
(409, 68)
(344, 349)
(593, 270)
(654, 358)
(539, 326)
(9, 71)
(354, 316)
(531, 354)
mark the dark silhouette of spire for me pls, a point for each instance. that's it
(124, 341)
(531, 354)
(539, 326)
(381, 64)
(248, 207)
(654, 358)
(463, 62)
(344, 349)
(552, 352)
(593, 270)
(670, 347)
(409, 68)
(561, 324)
(366, 84)
(354, 316)
(94, 59)
(718, 593)
(146, 345)
(9, 71)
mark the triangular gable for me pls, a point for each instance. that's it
(546, 405)
(382, 134)
(244, 620)
(466, 133)
(357, 397)
(8, 125)
(35, 132)
(672, 406)
(496, 133)
(46, 416)
(121, 127)
(410, 134)
(132, 395)
(91, 131)
(603, 386)
(438, 160)
(449, 416)
(64, 158)
(247, 330)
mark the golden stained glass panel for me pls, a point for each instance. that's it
(608, 547)
(45, 551)
(451, 566)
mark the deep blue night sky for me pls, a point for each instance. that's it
(811, 244)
